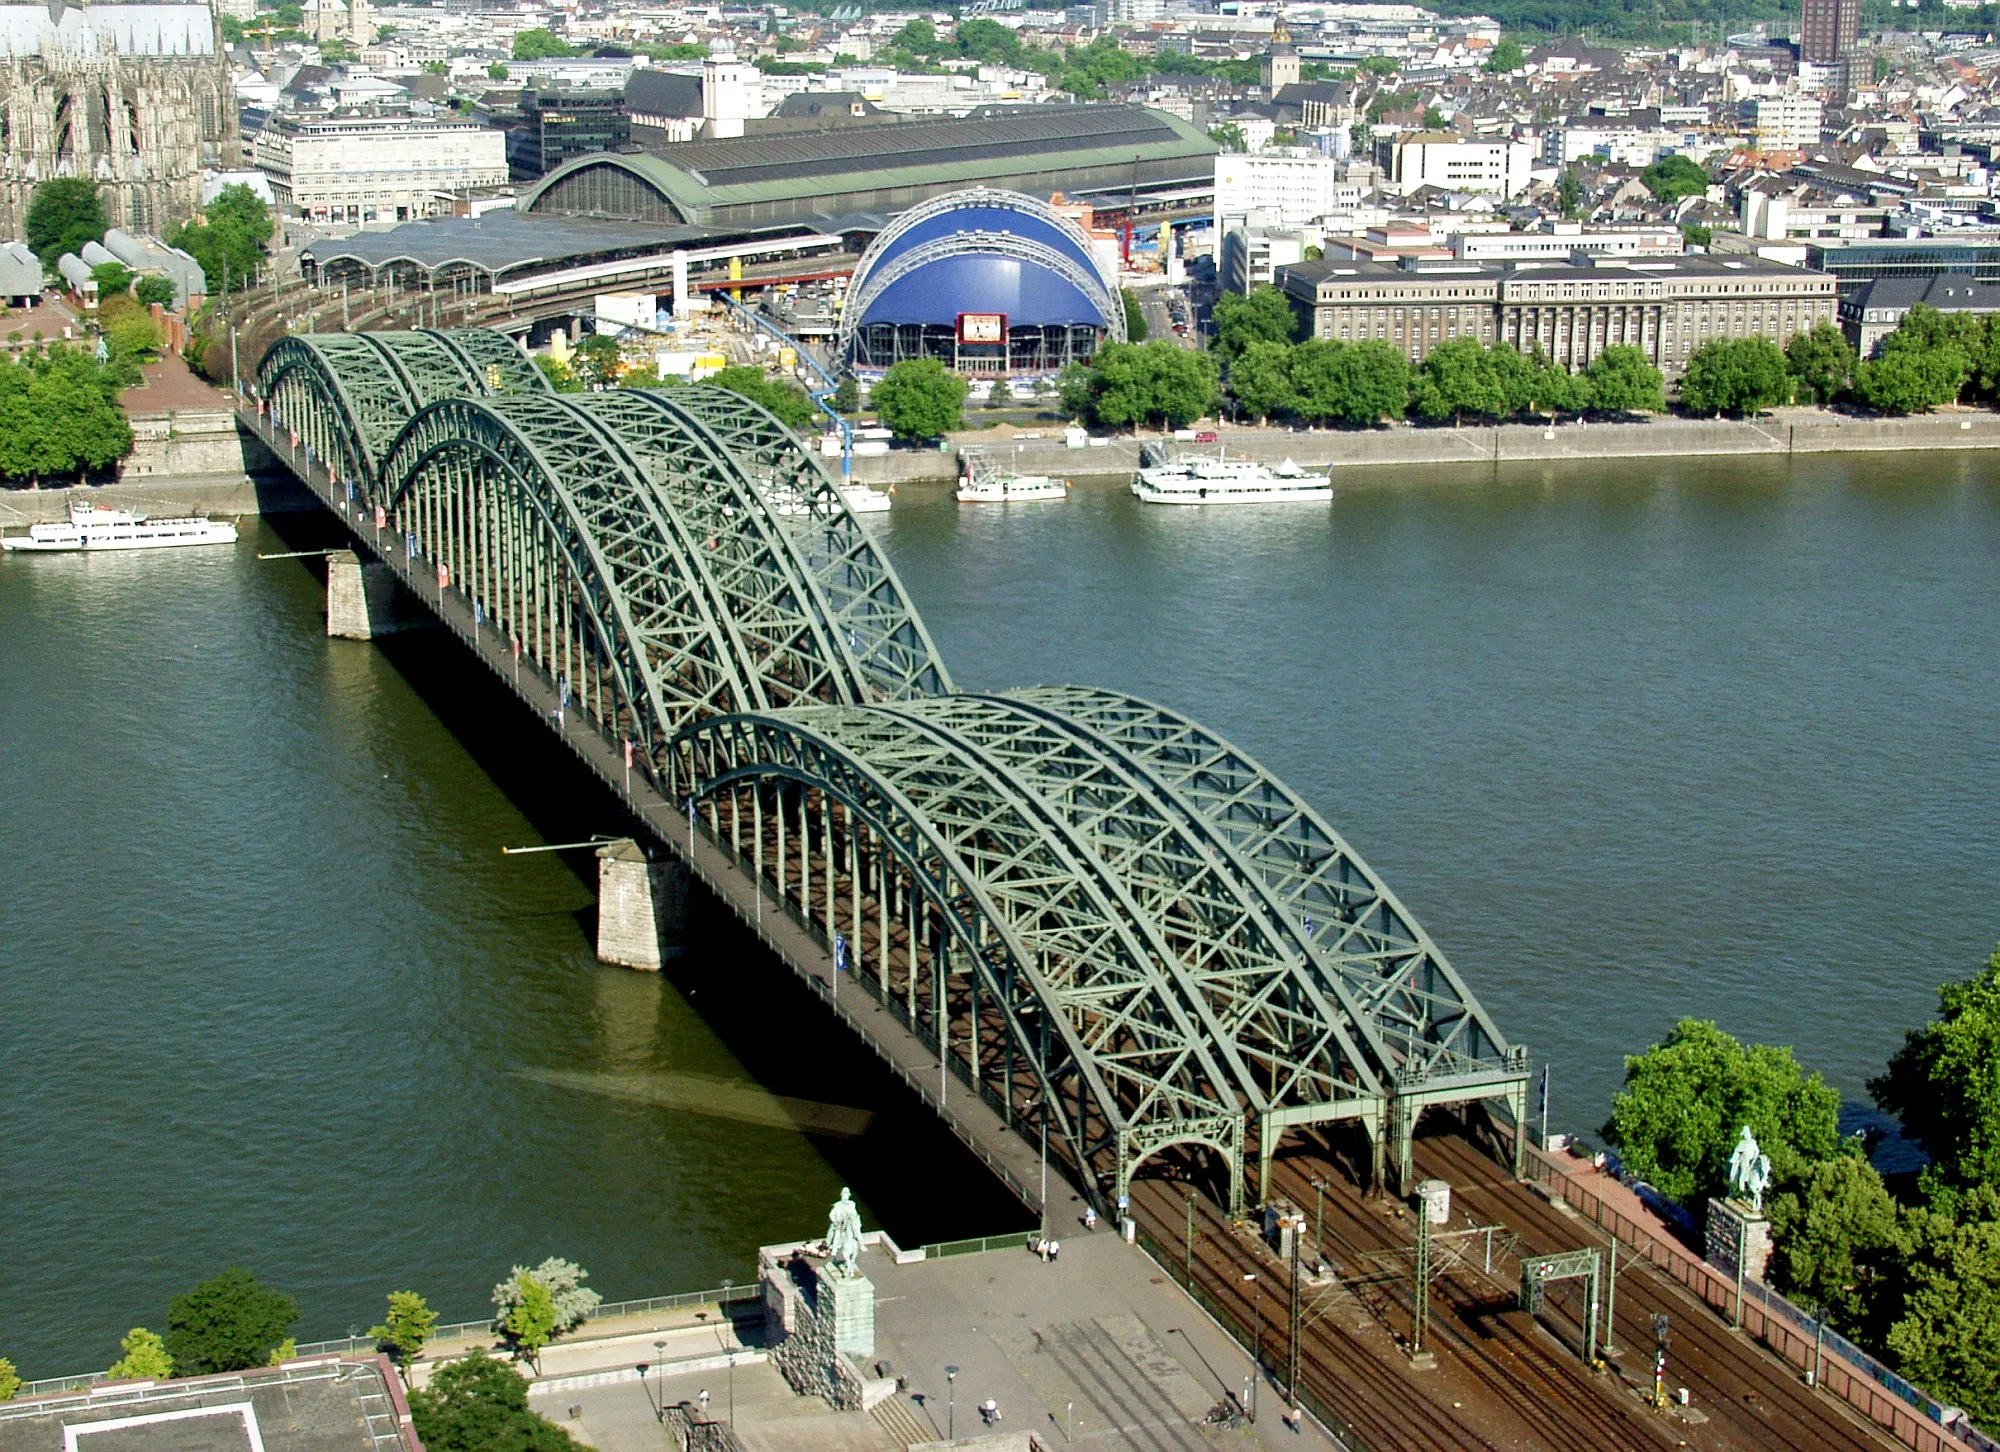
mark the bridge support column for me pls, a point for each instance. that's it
(641, 907)
(363, 600)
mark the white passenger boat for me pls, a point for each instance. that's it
(863, 500)
(1199, 479)
(981, 483)
(91, 528)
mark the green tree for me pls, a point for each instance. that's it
(1735, 376)
(228, 241)
(407, 1327)
(151, 290)
(62, 215)
(1622, 380)
(1673, 177)
(561, 377)
(228, 1323)
(10, 1380)
(478, 1404)
(1260, 380)
(1263, 315)
(1507, 57)
(1694, 234)
(1135, 318)
(598, 360)
(1687, 1098)
(540, 44)
(129, 328)
(1138, 383)
(59, 415)
(1944, 1082)
(1457, 378)
(1821, 363)
(1357, 383)
(1076, 391)
(1569, 193)
(1836, 1238)
(497, 71)
(1949, 1304)
(784, 402)
(847, 395)
(920, 398)
(1379, 65)
(145, 1358)
(112, 278)
(1907, 380)
(1229, 136)
(531, 1321)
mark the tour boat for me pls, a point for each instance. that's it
(1198, 479)
(863, 500)
(983, 484)
(91, 528)
(858, 498)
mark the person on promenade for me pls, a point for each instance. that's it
(1090, 1217)
(989, 1411)
(1055, 1249)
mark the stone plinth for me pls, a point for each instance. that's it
(364, 600)
(1732, 1223)
(847, 1303)
(641, 907)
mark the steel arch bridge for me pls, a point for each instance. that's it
(1112, 924)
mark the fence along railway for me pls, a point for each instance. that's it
(1105, 919)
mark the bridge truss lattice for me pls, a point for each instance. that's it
(1105, 919)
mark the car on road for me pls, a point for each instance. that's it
(1208, 436)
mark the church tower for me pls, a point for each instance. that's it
(1281, 63)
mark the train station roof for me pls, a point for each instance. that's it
(887, 166)
(504, 243)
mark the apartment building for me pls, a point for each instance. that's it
(1291, 187)
(1440, 159)
(1665, 307)
(376, 168)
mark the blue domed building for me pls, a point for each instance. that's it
(993, 284)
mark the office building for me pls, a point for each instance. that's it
(376, 168)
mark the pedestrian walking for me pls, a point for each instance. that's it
(989, 1411)
(1090, 1217)
(1295, 1418)
(1042, 1248)
(1055, 1249)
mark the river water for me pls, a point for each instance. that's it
(1685, 737)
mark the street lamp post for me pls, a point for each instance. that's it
(951, 1404)
(660, 1381)
(1257, 1303)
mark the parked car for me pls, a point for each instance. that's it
(1208, 436)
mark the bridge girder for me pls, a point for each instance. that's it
(1161, 940)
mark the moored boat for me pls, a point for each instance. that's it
(982, 483)
(92, 528)
(1198, 479)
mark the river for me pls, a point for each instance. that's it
(1678, 737)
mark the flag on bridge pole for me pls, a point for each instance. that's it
(628, 766)
(444, 580)
(839, 954)
(350, 492)
(409, 546)
(381, 519)
(562, 698)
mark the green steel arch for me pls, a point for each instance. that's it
(1109, 921)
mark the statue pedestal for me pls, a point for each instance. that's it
(1733, 1224)
(847, 1306)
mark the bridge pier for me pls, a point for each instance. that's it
(641, 907)
(363, 599)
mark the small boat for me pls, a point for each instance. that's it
(1198, 479)
(983, 484)
(863, 500)
(858, 498)
(91, 528)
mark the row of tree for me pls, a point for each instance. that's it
(1914, 1275)
(227, 238)
(59, 411)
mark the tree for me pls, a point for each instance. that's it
(847, 396)
(497, 71)
(540, 44)
(145, 1358)
(477, 1404)
(1456, 379)
(598, 360)
(406, 1328)
(1260, 380)
(1622, 380)
(1944, 1082)
(1379, 65)
(10, 1380)
(919, 398)
(781, 400)
(112, 278)
(129, 328)
(153, 290)
(59, 415)
(1263, 315)
(531, 1321)
(1229, 136)
(1950, 1301)
(229, 239)
(1357, 383)
(1687, 1098)
(64, 214)
(1569, 193)
(1907, 380)
(561, 377)
(1135, 318)
(228, 1323)
(1820, 362)
(1507, 57)
(1735, 376)
(1835, 1235)
(1673, 177)
(1694, 234)
(564, 1281)
(1137, 383)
